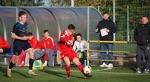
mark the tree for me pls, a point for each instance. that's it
(21, 2)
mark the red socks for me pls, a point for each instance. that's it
(68, 70)
(80, 67)
(46, 57)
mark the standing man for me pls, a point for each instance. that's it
(19, 34)
(106, 27)
(142, 37)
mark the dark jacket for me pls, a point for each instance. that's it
(142, 34)
(109, 24)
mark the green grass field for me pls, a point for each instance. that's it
(57, 74)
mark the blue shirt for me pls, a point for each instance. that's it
(20, 29)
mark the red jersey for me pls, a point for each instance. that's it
(48, 43)
(64, 38)
(34, 43)
(4, 43)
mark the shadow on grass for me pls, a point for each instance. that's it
(4, 71)
(58, 73)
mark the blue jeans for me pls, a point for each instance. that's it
(105, 55)
(50, 57)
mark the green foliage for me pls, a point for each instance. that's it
(21, 2)
(137, 8)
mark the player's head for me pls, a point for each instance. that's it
(106, 15)
(22, 16)
(79, 37)
(30, 35)
(46, 33)
(71, 29)
(144, 19)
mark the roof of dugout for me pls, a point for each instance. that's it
(55, 19)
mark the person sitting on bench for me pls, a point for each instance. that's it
(4, 46)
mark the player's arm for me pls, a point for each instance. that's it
(43, 45)
(113, 28)
(99, 26)
(63, 38)
(52, 43)
(14, 36)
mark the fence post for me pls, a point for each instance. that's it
(88, 55)
(114, 19)
(128, 33)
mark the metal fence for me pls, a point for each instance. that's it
(127, 14)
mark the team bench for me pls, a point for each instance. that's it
(119, 56)
(6, 55)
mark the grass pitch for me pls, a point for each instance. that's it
(58, 74)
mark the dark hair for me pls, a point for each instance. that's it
(105, 13)
(79, 35)
(22, 13)
(45, 31)
(30, 34)
(71, 27)
(145, 16)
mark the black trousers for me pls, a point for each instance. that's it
(143, 50)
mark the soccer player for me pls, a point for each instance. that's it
(48, 48)
(67, 52)
(35, 44)
(4, 45)
(19, 34)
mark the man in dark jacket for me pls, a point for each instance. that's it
(106, 27)
(142, 37)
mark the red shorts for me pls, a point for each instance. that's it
(71, 54)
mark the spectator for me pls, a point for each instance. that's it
(48, 47)
(4, 46)
(80, 47)
(142, 37)
(106, 27)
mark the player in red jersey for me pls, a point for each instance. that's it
(67, 52)
(48, 48)
(4, 45)
(35, 44)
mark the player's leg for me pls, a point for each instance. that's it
(67, 62)
(147, 58)
(110, 55)
(50, 57)
(45, 59)
(139, 53)
(31, 61)
(17, 52)
(103, 55)
(80, 67)
(75, 59)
